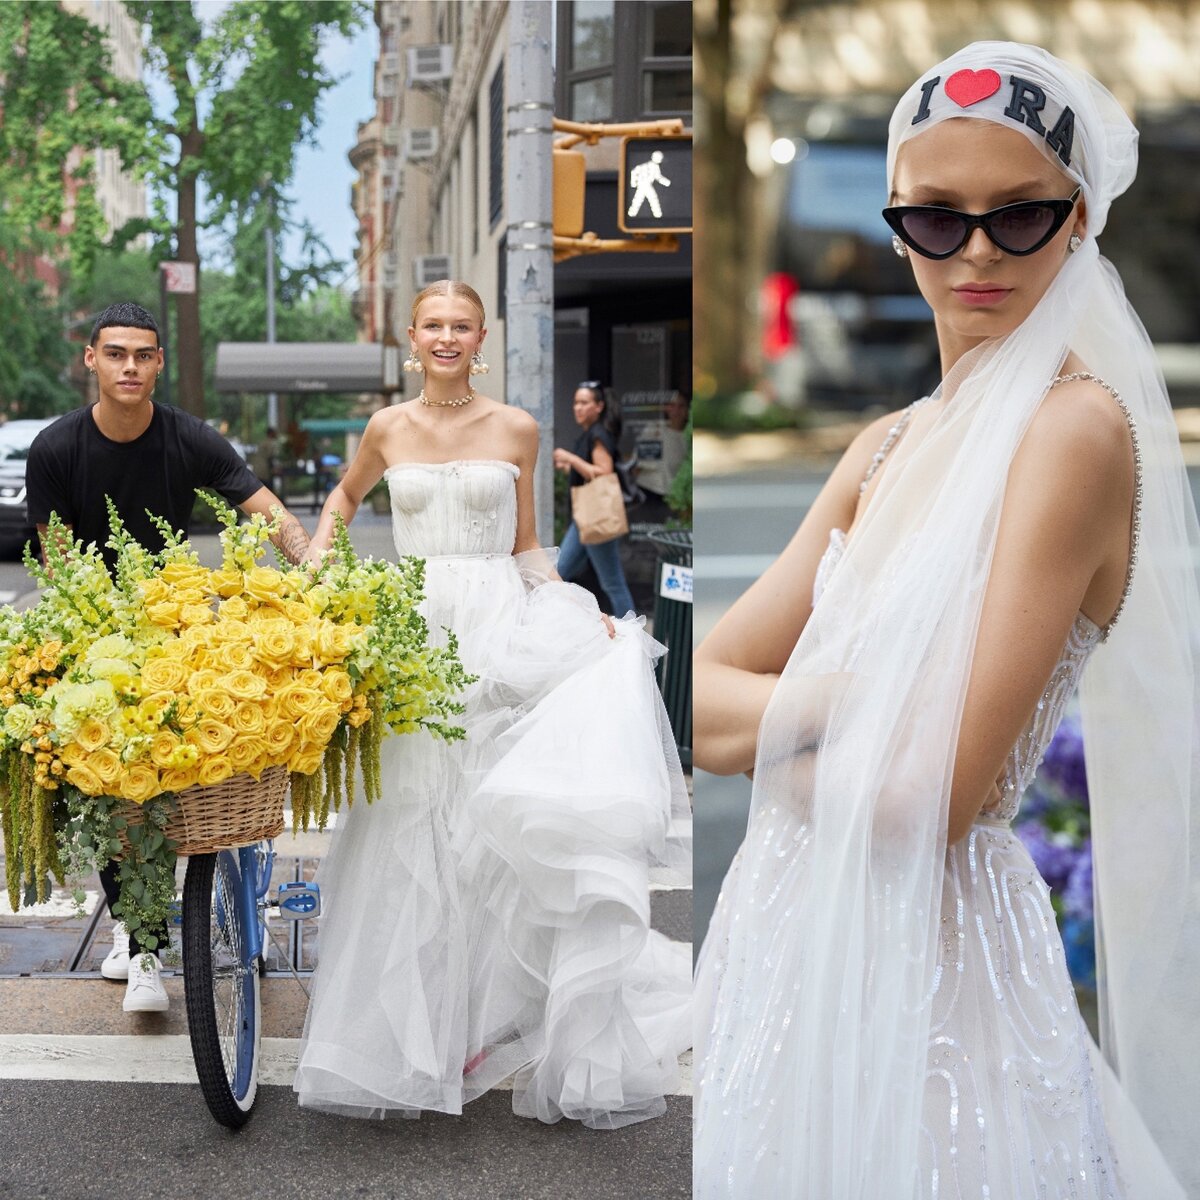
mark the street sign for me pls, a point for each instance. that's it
(179, 277)
(655, 195)
(675, 583)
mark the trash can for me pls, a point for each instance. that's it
(673, 627)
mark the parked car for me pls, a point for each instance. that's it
(15, 528)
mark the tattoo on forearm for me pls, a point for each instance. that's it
(291, 540)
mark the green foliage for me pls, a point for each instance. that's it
(679, 497)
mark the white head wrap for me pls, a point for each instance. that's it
(813, 1040)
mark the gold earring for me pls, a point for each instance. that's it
(412, 363)
(478, 366)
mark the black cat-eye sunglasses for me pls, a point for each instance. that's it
(938, 232)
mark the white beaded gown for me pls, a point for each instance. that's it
(488, 917)
(1012, 1099)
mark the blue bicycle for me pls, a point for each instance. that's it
(224, 944)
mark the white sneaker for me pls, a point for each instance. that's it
(116, 965)
(145, 991)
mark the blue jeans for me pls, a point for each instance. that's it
(606, 562)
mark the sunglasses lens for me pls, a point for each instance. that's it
(1022, 228)
(935, 232)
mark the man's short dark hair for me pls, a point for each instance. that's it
(125, 315)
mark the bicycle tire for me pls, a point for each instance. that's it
(223, 997)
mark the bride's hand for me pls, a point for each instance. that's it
(608, 624)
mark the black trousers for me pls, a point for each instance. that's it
(109, 881)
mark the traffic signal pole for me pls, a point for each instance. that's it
(529, 256)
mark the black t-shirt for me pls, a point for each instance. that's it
(72, 466)
(583, 447)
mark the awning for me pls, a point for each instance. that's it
(307, 367)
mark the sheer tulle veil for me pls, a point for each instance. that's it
(813, 1047)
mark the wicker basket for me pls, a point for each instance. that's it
(236, 812)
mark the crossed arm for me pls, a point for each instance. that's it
(1062, 544)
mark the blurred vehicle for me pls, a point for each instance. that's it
(15, 439)
(865, 334)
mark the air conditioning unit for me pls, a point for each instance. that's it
(430, 64)
(420, 143)
(388, 85)
(390, 265)
(429, 268)
(391, 135)
(389, 64)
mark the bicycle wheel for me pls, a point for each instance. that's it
(221, 985)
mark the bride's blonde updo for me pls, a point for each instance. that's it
(449, 287)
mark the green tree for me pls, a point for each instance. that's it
(59, 102)
(245, 94)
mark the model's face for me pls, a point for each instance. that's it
(446, 333)
(587, 408)
(127, 362)
(980, 291)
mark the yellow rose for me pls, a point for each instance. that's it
(196, 614)
(183, 575)
(140, 782)
(154, 591)
(278, 738)
(225, 583)
(263, 583)
(202, 681)
(337, 687)
(247, 718)
(359, 717)
(106, 765)
(211, 736)
(277, 679)
(72, 755)
(176, 779)
(234, 609)
(295, 701)
(164, 613)
(163, 675)
(85, 779)
(275, 643)
(216, 703)
(92, 734)
(244, 752)
(244, 685)
(214, 769)
(237, 657)
(162, 748)
(306, 762)
(317, 726)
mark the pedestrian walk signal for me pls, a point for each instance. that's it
(655, 195)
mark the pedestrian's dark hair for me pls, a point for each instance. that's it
(124, 314)
(610, 417)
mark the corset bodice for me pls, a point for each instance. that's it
(454, 508)
(1030, 748)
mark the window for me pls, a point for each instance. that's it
(496, 147)
(624, 60)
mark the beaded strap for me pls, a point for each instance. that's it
(1137, 483)
(893, 434)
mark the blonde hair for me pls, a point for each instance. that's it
(449, 287)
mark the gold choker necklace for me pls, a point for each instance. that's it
(456, 403)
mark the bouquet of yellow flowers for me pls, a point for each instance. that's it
(170, 675)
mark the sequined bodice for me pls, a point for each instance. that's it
(1026, 756)
(454, 508)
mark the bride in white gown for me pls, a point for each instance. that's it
(884, 1011)
(489, 916)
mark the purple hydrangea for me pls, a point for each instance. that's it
(1052, 854)
(1077, 895)
(1063, 765)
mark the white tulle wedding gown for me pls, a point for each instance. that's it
(489, 916)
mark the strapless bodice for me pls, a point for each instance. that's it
(1026, 756)
(455, 508)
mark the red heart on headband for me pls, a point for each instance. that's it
(969, 87)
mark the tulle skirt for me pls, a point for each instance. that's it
(489, 916)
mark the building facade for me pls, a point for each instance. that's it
(430, 192)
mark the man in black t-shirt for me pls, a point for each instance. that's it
(146, 456)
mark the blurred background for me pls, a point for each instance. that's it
(808, 325)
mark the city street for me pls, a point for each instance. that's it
(117, 1090)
